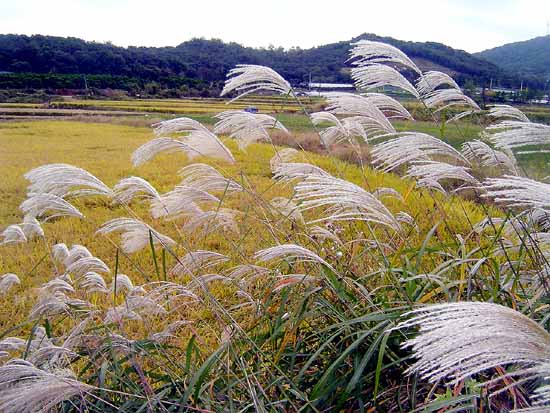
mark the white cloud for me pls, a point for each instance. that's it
(467, 24)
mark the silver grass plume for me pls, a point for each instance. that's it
(479, 152)
(248, 272)
(377, 76)
(341, 131)
(206, 222)
(289, 251)
(426, 173)
(287, 172)
(92, 282)
(512, 134)
(246, 127)
(60, 179)
(194, 261)
(368, 52)
(135, 234)
(12, 344)
(410, 147)
(283, 155)
(444, 98)
(429, 81)
(459, 340)
(56, 304)
(389, 106)
(343, 200)
(204, 177)
(168, 332)
(122, 284)
(246, 79)
(324, 233)
(516, 191)
(177, 125)
(24, 388)
(49, 206)
(87, 264)
(150, 149)
(74, 254)
(287, 208)
(384, 192)
(501, 112)
(182, 200)
(31, 227)
(13, 234)
(133, 187)
(55, 285)
(7, 281)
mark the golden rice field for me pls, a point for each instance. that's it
(104, 150)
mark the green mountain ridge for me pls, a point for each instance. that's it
(529, 57)
(204, 63)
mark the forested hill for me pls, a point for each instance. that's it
(206, 62)
(530, 57)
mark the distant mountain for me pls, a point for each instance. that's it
(531, 57)
(201, 63)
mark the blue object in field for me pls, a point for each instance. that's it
(251, 109)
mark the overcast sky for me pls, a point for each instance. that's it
(472, 25)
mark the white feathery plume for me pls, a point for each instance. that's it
(207, 178)
(205, 143)
(290, 171)
(289, 251)
(459, 340)
(405, 218)
(182, 200)
(246, 127)
(389, 106)
(49, 206)
(13, 234)
(12, 344)
(479, 152)
(135, 234)
(169, 292)
(246, 79)
(7, 281)
(193, 261)
(507, 112)
(383, 192)
(168, 332)
(58, 179)
(150, 149)
(183, 124)
(377, 76)
(444, 98)
(118, 314)
(87, 264)
(133, 187)
(428, 172)
(283, 155)
(289, 280)
(345, 201)
(122, 283)
(287, 208)
(344, 130)
(210, 221)
(368, 51)
(74, 254)
(92, 282)
(412, 146)
(57, 284)
(512, 134)
(324, 233)
(55, 304)
(24, 388)
(247, 272)
(50, 356)
(31, 227)
(516, 191)
(429, 81)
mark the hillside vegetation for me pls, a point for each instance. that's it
(202, 64)
(530, 57)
